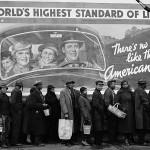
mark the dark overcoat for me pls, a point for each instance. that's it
(126, 99)
(142, 110)
(52, 120)
(98, 110)
(37, 118)
(85, 109)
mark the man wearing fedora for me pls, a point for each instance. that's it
(98, 109)
(37, 119)
(16, 112)
(21, 53)
(142, 111)
(70, 108)
(70, 48)
(5, 115)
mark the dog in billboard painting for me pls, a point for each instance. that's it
(21, 54)
(71, 48)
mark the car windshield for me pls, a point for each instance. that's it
(33, 51)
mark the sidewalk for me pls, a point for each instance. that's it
(79, 147)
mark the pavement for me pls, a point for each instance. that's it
(79, 147)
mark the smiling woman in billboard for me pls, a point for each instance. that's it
(21, 53)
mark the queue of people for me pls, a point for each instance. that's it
(25, 122)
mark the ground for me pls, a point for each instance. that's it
(80, 147)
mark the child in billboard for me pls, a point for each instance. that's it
(7, 63)
(47, 56)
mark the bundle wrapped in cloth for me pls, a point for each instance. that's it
(117, 112)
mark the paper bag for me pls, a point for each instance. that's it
(65, 129)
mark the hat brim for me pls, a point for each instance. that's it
(39, 83)
(50, 46)
(71, 82)
(4, 87)
(13, 50)
(72, 41)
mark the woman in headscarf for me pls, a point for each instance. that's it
(85, 109)
(52, 120)
(126, 100)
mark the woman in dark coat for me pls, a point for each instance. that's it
(52, 120)
(126, 100)
(37, 118)
(85, 109)
(26, 116)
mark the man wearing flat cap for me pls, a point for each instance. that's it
(70, 108)
(21, 53)
(37, 119)
(16, 112)
(142, 111)
(70, 48)
(98, 107)
(110, 99)
(5, 115)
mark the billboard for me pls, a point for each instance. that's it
(84, 42)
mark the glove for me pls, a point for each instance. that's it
(66, 116)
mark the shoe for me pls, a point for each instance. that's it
(4, 146)
(18, 144)
(146, 144)
(127, 142)
(84, 143)
(68, 144)
(40, 144)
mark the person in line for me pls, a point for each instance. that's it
(26, 119)
(142, 111)
(110, 99)
(70, 109)
(85, 109)
(37, 119)
(16, 113)
(125, 98)
(52, 120)
(5, 116)
(98, 110)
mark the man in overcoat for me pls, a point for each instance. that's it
(110, 99)
(16, 113)
(98, 107)
(142, 111)
(37, 121)
(5, 115)
(70, 108)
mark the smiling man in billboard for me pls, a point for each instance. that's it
(71, 47)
